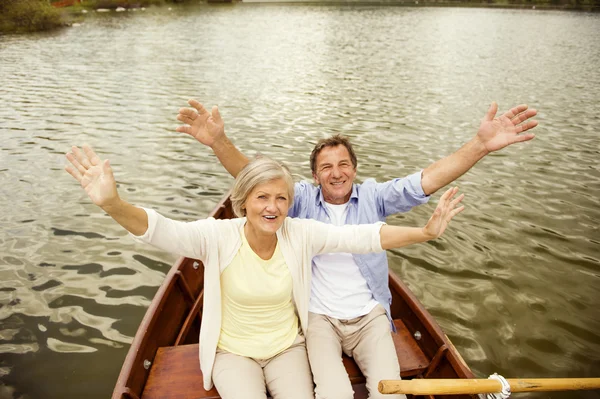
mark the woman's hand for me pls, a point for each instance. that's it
(444, 212)
(94, 175)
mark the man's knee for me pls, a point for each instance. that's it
(373, 384)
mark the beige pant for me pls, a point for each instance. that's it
(367, 339)
(286, 375)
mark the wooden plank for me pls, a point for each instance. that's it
(412, 359)
(194, 276)
(360, 391)
(193, 317)
(176, 374)
(435, 362)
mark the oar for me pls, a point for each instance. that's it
(475, 386)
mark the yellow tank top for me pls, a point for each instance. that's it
(258, 314)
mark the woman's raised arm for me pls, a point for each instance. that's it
(97, 179)
(397, 236)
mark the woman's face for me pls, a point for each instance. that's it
(267, 206)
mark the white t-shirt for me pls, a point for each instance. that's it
(338, 288)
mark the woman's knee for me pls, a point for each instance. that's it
(238, 377)
(288, 375)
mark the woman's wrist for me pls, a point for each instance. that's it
(113, 205)
(427, 235)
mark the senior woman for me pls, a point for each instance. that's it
(257, 270)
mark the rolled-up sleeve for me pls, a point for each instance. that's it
(182, 238)
(400, 195)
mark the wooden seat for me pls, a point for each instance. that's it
(176, 374)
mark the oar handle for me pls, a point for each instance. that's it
(475, 386)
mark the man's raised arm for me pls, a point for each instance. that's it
(493, 135)
(209, 129)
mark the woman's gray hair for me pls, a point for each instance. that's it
(258, 171)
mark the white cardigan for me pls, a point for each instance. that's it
(216, 242)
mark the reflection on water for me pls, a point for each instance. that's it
(514, 283)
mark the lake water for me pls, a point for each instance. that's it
(515, 282)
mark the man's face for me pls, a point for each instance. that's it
(335, 173)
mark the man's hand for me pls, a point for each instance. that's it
(497, 133)
(206, 127)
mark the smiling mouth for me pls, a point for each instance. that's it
(337, 183)
(270, 217)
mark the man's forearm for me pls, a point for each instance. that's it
(446, 170)
(230, 157)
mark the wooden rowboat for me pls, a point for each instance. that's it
(163, 359)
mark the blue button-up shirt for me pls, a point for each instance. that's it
(370, 202)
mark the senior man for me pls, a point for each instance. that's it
(350, 298)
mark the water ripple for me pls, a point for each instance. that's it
(514, 281)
